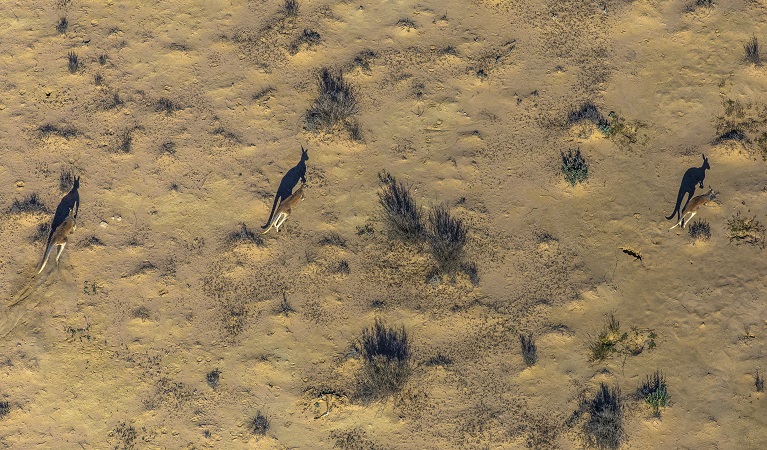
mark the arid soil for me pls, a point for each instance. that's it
(166, 324)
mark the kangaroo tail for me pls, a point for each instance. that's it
(47, 254)
(268, 228)
(679, 198)
(271, 214)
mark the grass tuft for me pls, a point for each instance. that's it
(654, 391)
(259, 425)
(604, 428)
(73, 62)
(401, 212)
(751, 48)
(743, 230)
(574, 167)
(62, 26)
(29, 204)
(290, 8)
(700, 230)
(529, 350)
(386, 361)
(447, 237)
(335, 105)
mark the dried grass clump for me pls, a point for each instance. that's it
(401, 212)
(447, 237)
(386, 361)
(746, 231)
(335, 106)
(604, 428)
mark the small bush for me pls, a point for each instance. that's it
(471, 270)
(125, 141)
(259, 425)
(61, 27)
(386, 361)
(440, 359)
(65, 132)
(126, 434)
(574, 167)
(42, 232)
(588, 112)
(290, 8)
(654, 391)
(342, 267)
(700, 230)
(751, 49)
(244, 235)
(746, 231)
(308, 38)
(447, 238)
(165, 105)
(98, 79)
(73, 62)
(142, 312)
(66, 180)
(607, 340)
(29, 204)
(103, 58)
(402, 213)
(758, 382)
(529, 350)
(284, 307)
(335, 105)
(213, 378)
(5, 408)
(406, 24)
(333, 239)
(604, 427)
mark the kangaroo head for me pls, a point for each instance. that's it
(304, 154)
(705, 162)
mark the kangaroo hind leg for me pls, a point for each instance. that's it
(61, 249)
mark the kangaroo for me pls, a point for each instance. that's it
(693, 206)
(288, 182)
(283, 211)
(693, 176)
(58, 238)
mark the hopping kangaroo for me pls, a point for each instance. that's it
(283, 211)
(693, 206)
(64, 222)
(288, 182)
(59, 238)
(693, 176)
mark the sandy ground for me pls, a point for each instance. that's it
(468, 103)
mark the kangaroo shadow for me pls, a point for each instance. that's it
(289, 181)
(692, 177)
(69, 201)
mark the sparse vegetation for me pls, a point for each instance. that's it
(333, 239)
(529, 350)
(73, 62)
(471, 270)
(290, 8)
(264, 94)
(31, 203)
(751, 48)
(612, 340)
(743, 230)
(758, 382)
(308, 38)
(386, 361)
(125, 141)
(700, 230)
(342, 267)
(65, 132)
(401, 212)
(42, 232)
(447, 237)
(61, 27)
(165, 105)
(126, 434)
(284, 307)
(66, 180)
(103, 58)
(5, 408)
(141, 312)
(213, 378)
(574, 167)
(244, 235)
(604, 428)
(259, 425)
(335, 105)
(654, 392)
(587, 112)
(98, 79)
(440, 359)
(406, 24)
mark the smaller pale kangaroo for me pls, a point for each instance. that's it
(283, 211)
(59, 238)
(693, 206)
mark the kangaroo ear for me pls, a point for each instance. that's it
(704, 157)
